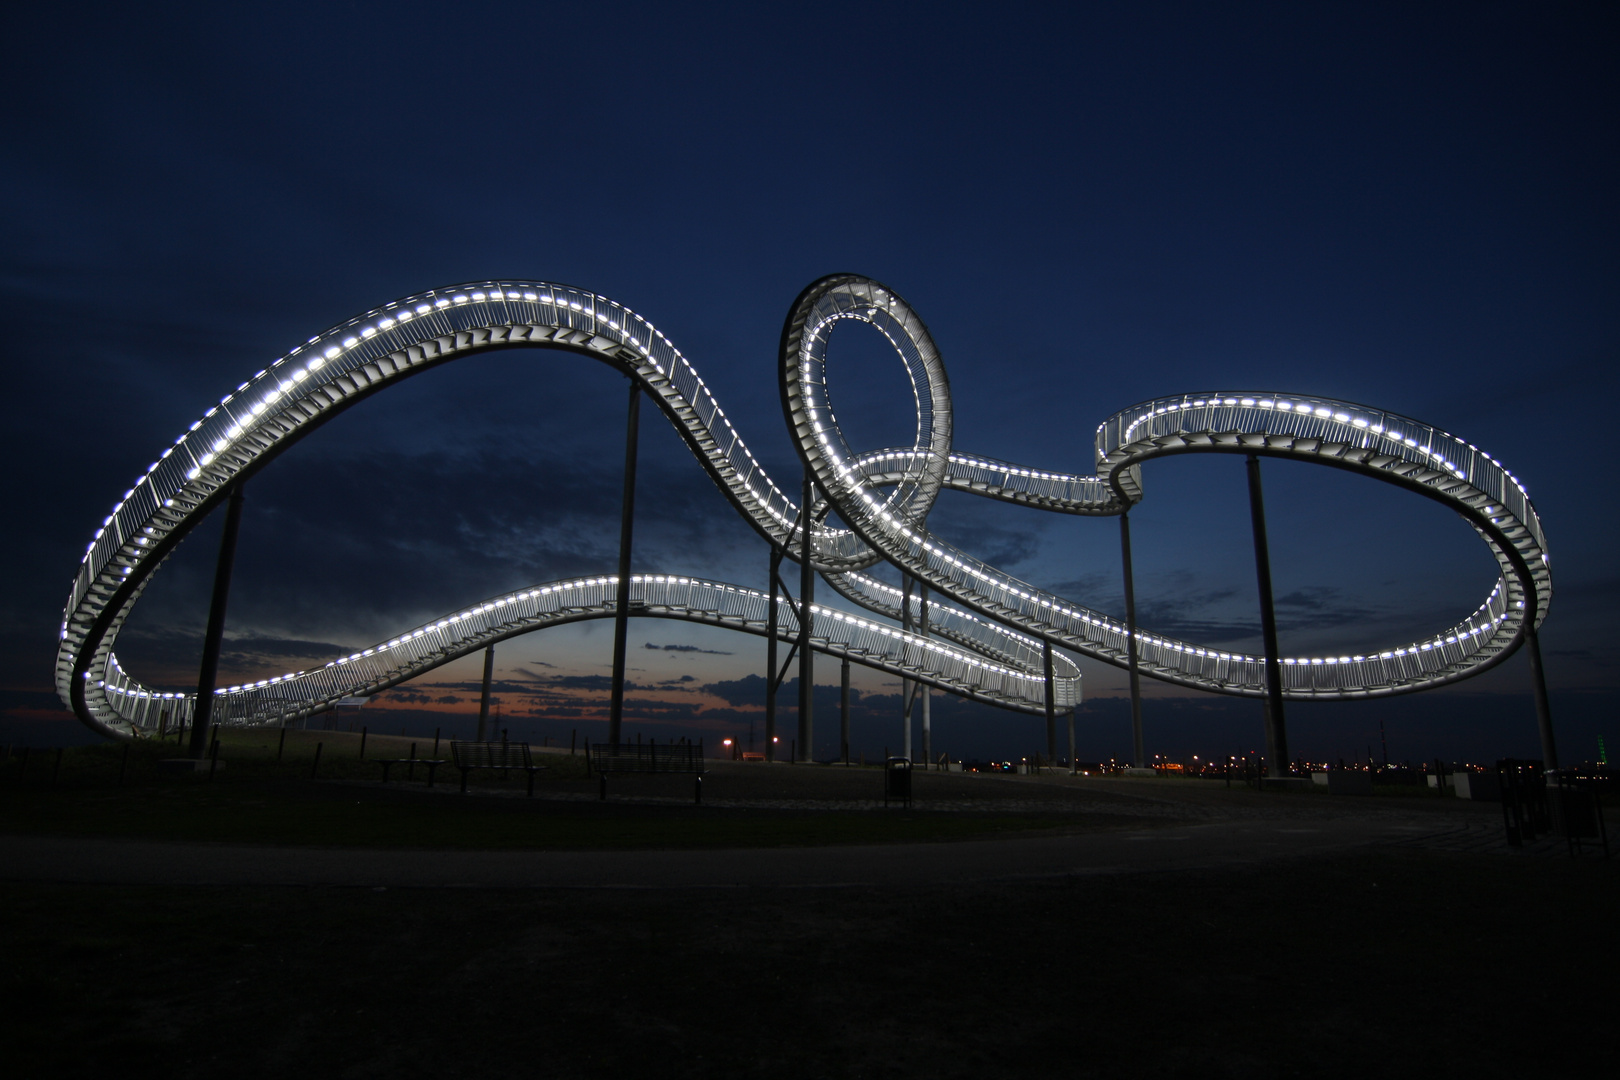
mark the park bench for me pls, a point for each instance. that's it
(411, 762)
(468, 756)
(648, 757)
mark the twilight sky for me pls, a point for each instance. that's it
(1410, 206)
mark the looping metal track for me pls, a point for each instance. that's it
(1001, 623)
(1388, 447)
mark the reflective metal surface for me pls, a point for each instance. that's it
(884, 497)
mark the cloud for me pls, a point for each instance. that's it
(30, 701)
(1088, 588)
(275, 648)
(686, 649)
(1313, 599)
(996, 544)
(167, 655)
(748, 690)
(584, 682)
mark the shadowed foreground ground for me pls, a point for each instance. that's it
(1401, 954)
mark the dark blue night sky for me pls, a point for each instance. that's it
(1411, 206)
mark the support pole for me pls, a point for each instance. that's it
(922, 688)
(483, 700)
(1074, 765)
(1549, 750)
(807, 655)
(627, 518)
(1130, 644)
(1051, 701)
(905, 684)
(770, 660)
(843, 710)
(209, 670)
(1276, 728)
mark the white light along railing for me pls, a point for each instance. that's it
(1308, 428)
(366, 353)
(298, 694)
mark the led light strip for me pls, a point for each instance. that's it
(1393, 448)
(332, 370)
(295, 695)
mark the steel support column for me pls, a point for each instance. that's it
(627, 518)
(922, 688)
(1137, 748)
(807, 655)
(1073, 766)
(843, 710)
(483, 699)
(1276, 726)
(203, 714)
(1051, 702)
(770, 659)
(906, 689)
(1538, 676)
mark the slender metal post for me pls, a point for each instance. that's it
(627, 518)
(922, 688)
(1276, 728)
(843, 710)
(1074, 766)
(770, 660)
(1549, 750)
(807, 655)
(905, 684)
(1051, 701)
(483, 700)
(209, 670)
(1130, 645)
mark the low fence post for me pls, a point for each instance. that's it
(315, 768)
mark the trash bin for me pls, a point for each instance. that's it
(897, 780)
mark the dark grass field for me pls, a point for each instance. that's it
(260, 796)
(1371, 964)
(1380, 961)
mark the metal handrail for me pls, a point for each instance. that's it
(301, 694)
(883, 502)
(1377, 443)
